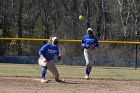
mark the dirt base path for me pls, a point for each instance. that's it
(32, 85)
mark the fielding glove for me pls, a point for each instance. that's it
(59, 57)
(92, 47)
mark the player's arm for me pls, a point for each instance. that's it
(96, 42)
(42, 53)
(43, 58)
(83, 44)
(58, 54)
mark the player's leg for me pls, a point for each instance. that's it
(51, 66)
(88, 70)
(44, 69)
(88, 63)
(43, 75)
(53, 69)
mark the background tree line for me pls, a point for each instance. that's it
(110, 19)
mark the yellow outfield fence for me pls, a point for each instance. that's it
(64, 40)
(135, 50)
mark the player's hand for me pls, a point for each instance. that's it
(43, 59)
(59, 57)
(92, 47)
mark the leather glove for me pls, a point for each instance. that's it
(59, 57)
(92, 47)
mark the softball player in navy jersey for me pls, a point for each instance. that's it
(47, 53)
(89, 42)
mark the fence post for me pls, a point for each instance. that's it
(136, 59)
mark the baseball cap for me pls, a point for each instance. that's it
(54, 38)
(89, 29)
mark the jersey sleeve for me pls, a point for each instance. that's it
(83, 42)
(42, 50)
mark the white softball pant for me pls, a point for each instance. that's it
(89, 56)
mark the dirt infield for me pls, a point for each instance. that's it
(32, 85)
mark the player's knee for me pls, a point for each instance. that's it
(43, 71)
(56, 75)
(44, 68)
(88, 64)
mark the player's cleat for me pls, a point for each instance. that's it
(44, 81)
(59, 80)
(86, 77)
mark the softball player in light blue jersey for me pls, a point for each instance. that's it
(89, 42)
(46, 61)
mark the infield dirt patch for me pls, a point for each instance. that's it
(33, 85)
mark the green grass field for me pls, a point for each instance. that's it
(32, 70)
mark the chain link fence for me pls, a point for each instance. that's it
(108, 54)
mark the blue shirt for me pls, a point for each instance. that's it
(49, 51)
(88, 40)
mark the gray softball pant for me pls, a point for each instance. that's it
(52, 68)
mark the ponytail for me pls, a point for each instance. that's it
(50, 39)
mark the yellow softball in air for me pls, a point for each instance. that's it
(81, 17)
